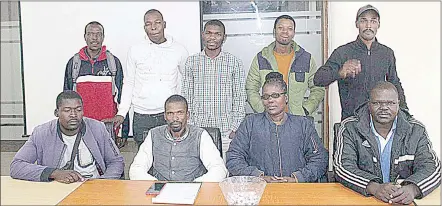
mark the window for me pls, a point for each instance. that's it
(225, 7)
(249, 28)
(12, 104)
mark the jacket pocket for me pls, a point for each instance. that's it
(300, 76)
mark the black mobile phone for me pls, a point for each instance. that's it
(155, 188)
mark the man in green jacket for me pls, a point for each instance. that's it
(295, 64)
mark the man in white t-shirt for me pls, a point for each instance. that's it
(153, 73)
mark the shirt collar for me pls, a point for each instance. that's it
(203, 53)
(392, 130)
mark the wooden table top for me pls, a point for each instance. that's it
(130, 192)
(21, 192)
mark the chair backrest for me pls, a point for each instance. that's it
(215, 133)
(335, 135)
(331, 174)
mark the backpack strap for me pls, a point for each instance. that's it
(113, 69)
(76, 64)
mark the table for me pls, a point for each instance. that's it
(131, 192)
(21, 192)
(431, 199)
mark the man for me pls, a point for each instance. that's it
(213, 85)
(68, 149)
(96, 74)
(275, 145)
(154, 69)
(383, 151)
(358, 65)
(295, 64)
(178, 151)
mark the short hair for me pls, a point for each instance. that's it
(215, 22)
(68, 94)
(383, 85)
(284, 17)
(93, 23)
(275, 78)
(176, 98)
(152, 11)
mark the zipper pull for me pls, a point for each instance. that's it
(368, 52)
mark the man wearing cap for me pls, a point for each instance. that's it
(358, 65)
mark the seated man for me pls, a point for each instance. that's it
(68, 149)
(276, 145)
(178, 151)
(382, 146)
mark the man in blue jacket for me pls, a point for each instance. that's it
(276, 145)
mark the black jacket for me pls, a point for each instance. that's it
(378, 64)
(290, 149)
(356, 160)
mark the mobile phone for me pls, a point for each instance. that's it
(155, 188)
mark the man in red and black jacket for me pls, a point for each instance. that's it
(94, 60)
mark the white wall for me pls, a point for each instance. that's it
(53, 32)
(412, 30)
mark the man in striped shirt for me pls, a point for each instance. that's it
(214, 85)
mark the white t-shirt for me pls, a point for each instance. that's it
(84, 163)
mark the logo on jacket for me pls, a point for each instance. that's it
(365, 143)
(105, 72)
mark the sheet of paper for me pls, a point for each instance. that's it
(178, 193)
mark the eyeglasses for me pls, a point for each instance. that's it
(274, 95)
(387, 103)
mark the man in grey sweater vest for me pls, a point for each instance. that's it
(178, 151)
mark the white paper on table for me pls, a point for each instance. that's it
(178, 193)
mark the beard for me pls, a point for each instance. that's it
(175, 126)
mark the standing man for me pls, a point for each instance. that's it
(358, 65)
(213, 85)
(154, 69)
(295, 64)
(96, 74)
(383, 151)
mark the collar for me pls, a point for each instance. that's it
(392, 130)
(179, 139)
(80, 132)
(167, 43)
(361, 44)
(284, 118)
(268, 51)
(221, 54)
(85, 56)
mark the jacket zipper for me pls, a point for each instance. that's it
(279, 152)
(62, 153)
(315, 146)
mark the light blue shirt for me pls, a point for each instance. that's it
(384, 145)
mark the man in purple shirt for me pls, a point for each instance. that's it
(68, 149)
